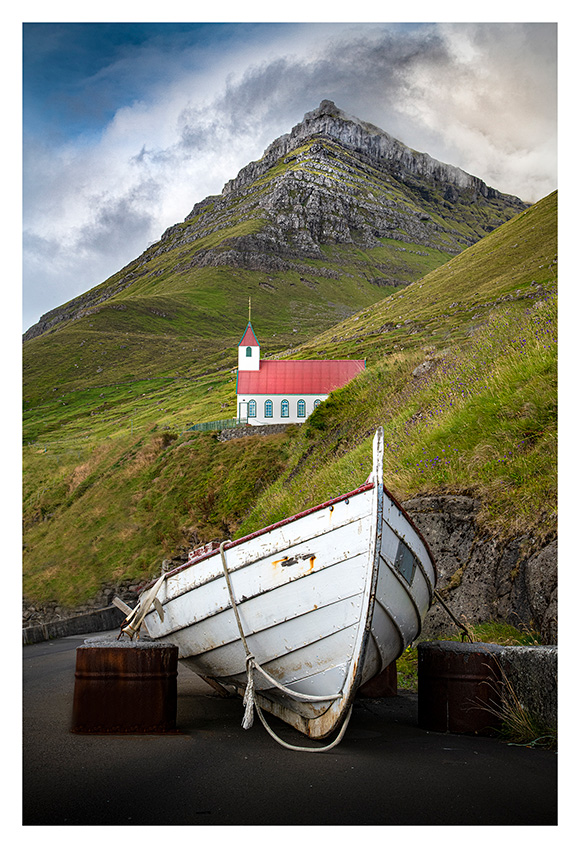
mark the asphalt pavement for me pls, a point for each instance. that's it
(386, 771)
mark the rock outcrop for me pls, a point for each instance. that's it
(482, 578)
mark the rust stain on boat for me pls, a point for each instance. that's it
(284, 561)
(294, 560)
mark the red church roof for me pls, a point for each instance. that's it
(299, 377)
(249, 338)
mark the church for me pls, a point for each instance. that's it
(285, 392)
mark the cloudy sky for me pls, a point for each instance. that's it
(127, 125)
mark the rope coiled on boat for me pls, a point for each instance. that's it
(252, 665)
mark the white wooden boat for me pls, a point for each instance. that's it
(299, 615)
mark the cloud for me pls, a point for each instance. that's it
(118, 220)
(480, 96)
(492, 104)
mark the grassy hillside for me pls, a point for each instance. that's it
(120, 505)
(461, 372)
(463, 376)
(481, 420)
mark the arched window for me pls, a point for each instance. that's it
(251, 409)
(316, 403)
(248, 351)
(284, 409)
(301, 409)
(268, 409)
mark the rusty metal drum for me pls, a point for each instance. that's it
(459, 687)
(125, 687)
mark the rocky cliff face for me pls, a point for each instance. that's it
(330, 188)
(336, 179)
(377, 145)
(482, 579)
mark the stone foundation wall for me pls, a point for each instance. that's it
(241, 432)
(35, 614)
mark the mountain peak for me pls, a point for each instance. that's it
(375, 144)
(330, 188)
(327, 107)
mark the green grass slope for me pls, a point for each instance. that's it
(461, 372)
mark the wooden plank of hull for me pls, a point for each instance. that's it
(275, 631)
(273, 644)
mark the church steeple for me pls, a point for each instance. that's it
(249, 347)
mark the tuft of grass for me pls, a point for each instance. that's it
(518, 724)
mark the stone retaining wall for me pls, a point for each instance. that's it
(241, 432)
(108, 618)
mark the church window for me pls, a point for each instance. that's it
(268, 409)
(285, 409)
(301, 409)
(248, 351)
(251, 409)
(316, 403)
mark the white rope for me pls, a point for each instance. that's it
(249, 701)
(303, 747)
(252, 665)
(299, 696)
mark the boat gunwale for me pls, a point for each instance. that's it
(310, 511)
(283, 522)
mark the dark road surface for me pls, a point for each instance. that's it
(386, 770)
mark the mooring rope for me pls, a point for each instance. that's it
(320, 750)
(462, 627)
(252, 665)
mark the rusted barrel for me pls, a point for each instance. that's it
(382, 685)
(125, 687)
(459, 686)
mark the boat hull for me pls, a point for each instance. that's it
(324, 601)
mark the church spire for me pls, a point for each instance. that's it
(249, 347)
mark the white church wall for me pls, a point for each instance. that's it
(295, 403)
